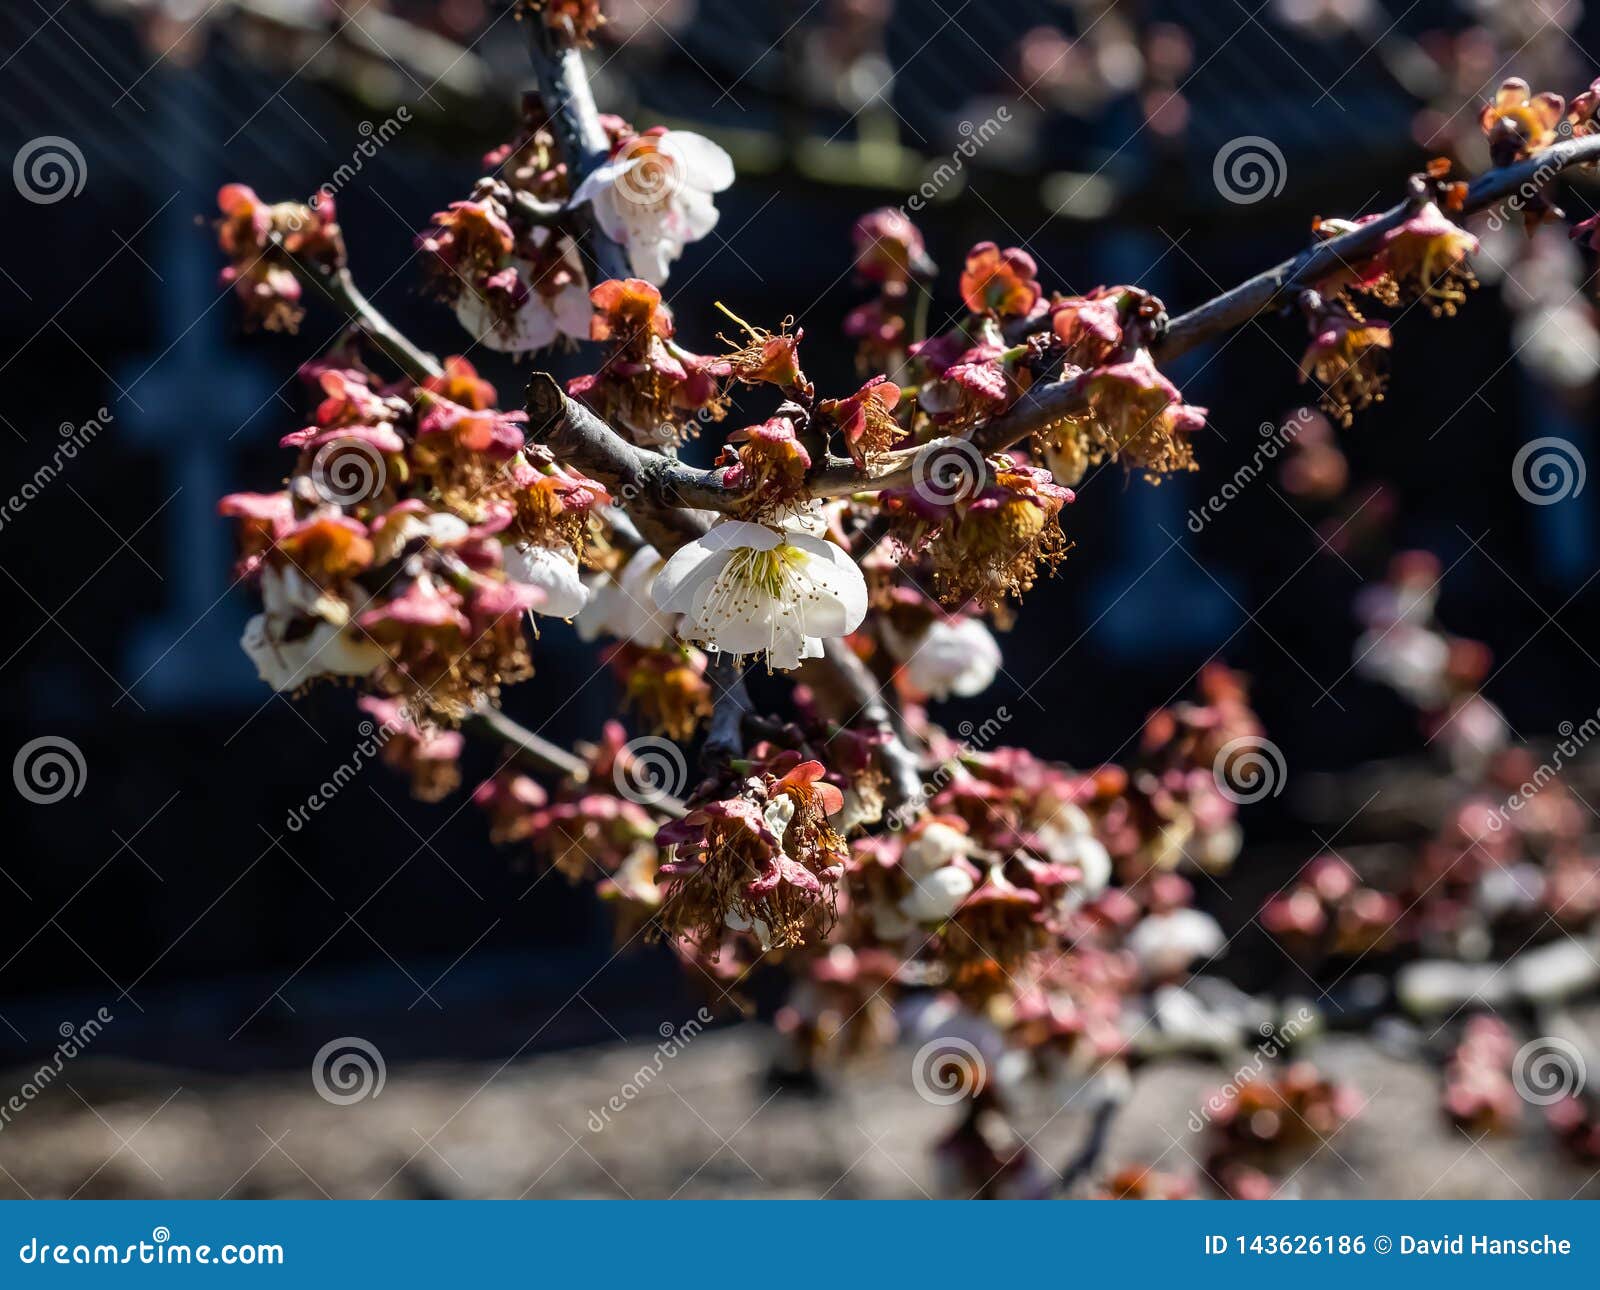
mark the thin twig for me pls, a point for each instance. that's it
(852, 692)
(569, 107)
(341, 290)
(531, 751)
(725, 732)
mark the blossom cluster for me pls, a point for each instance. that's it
(879, 532)
(1273, 1117)
(1509, 864)
(506, 257)
(415, 532)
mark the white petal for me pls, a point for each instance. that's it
(693, 215)
(634, 616)
(326, 651)
(338, 653)
(705, 164)
(1089, 854)
(934, 847)
(271, 667)
(958, 658)
(810, 517)
(756, 626)
(1169, 943)
(573, 310)
(533, 328)
(651, 250)
(937, 895)
(684, 573)
(609, 213)
(554, 572)
(594, 619)
(534, 325)
(838, 601)
(600, 181)
(691, 566)
(786, 651)
(737, 533)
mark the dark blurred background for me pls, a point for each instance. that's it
(169, 889)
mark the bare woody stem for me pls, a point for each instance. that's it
(569, 106)
(1523, 180)
(1048, 402)
(725, 733)
(846, 686)
(536, 753)
(341, 290)
(531, 751)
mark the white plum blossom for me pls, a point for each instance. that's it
(288, 599)
(937, 895)
(623, 606)
(287, 593)
(441, 528)
(654, 196)
(1166, 944)
(1067, 837)
(1090, 856)
(950, 657)
(938, 883)
(540, 319)
(325, 651)
(554, 571)
(753, 589)
(934, 846)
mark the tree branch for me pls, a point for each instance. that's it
(569, 106)
(536, 753)
(1260, 293)
(530, 751)
(848, 687)
(341, 290)
(725, 734)
(1048, 402)
(659, 492)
